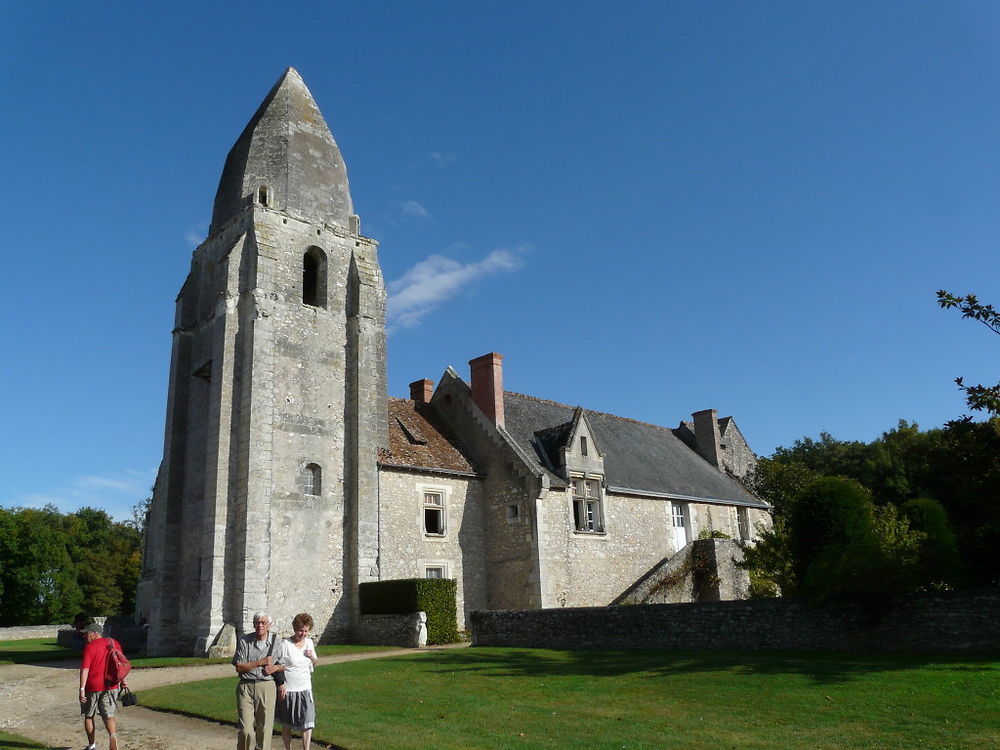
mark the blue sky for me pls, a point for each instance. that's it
(647, 208)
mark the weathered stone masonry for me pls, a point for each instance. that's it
(958, 621)
(289, 477)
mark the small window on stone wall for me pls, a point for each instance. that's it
(513, 513)
(743, 519)
(435, 571)
(264, 195)
(312, 479)
(583, 445)
(434, 514)
(314, 278)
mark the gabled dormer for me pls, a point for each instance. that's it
(570, 450)
(579, 453)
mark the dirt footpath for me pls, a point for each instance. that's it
(40, 701)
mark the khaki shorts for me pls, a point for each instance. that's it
(103, 703)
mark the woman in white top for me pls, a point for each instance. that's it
(296, 709)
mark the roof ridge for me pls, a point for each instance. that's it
(592, 411)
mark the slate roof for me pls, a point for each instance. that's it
(420, 440)
(637, 456)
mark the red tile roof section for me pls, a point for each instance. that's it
(417, 439)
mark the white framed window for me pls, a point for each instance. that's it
(434, 513)
(312, 479)
(681, 517)
(434, 568)
(588, 510)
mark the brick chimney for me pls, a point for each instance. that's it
(422, 390)
(487, 385)
(707, 440)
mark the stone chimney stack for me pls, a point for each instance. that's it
(421, 390)
(706, 436)
(487, 385)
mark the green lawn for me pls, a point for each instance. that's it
(17, 742)
(521, 698)
(186, 661)
(34, 649)
(46, 649)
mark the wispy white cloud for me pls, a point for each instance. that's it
(412, 208)
(436, 279)
(115, 493)
(195, 235)
(439, 157)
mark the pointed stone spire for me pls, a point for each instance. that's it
(288, 149)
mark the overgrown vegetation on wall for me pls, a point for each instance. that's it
(54, 565)
(913, 510)
(434, 596)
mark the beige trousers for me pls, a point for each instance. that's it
(255, 709)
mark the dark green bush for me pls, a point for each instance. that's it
(435, 596)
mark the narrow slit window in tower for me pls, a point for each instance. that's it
(314, 278)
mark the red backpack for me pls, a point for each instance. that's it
(118, 665)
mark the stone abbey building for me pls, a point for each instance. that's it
(289, 476)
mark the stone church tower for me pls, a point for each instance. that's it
(267, 495)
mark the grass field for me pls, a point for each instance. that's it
(518, 698)
(46, 649)
(34, 649)
(17, 742)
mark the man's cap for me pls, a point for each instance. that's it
(94, 628)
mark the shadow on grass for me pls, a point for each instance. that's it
(822, 668)
(37, 653)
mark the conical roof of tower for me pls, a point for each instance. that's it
(288, 148)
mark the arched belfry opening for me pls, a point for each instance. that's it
(314, 278)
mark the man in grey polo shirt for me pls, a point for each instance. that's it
(254, 662)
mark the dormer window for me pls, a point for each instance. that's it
(588, 510)
(583, 445)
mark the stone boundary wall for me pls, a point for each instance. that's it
(958, 621)
(24, 632)
(407, 631)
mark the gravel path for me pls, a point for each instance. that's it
(40, 701)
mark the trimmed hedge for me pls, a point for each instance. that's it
(434, 596)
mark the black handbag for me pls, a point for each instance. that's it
(127, 698)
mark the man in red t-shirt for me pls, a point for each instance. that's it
(96, 694)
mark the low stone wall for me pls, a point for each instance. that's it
(959, 621)
(407, 631)
(24, 632)
(131, 637)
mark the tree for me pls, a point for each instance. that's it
(38, 576)
(827, 456)
(831, 538)
(938, 563)
(978, 397)
(54, 565)
(769, 560)
(965, 479)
